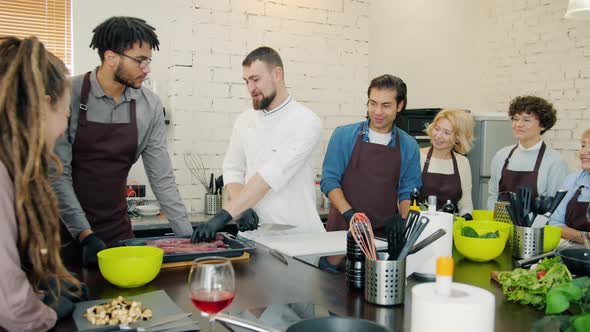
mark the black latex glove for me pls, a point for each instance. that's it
(206, 232)
(248, 221)
(468, 216)
(68, 290)
(91, 245)
(348, 215)
(64, 304)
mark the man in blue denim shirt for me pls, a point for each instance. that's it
(372, 166)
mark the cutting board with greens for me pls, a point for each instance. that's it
(530, 286)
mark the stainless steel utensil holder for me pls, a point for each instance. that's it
(385, 281)
(212, 203)
(527, 241)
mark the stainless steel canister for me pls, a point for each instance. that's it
(527, 241)
(212, 203)
(385, 281)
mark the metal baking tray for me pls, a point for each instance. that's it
(236, 248)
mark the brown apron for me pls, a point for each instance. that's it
(511, 180)
(575, 213)
(444, 186)
(369, 183)
(102, 155)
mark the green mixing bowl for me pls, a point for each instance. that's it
(551, 237)
(480, 249)
(131, 266)
(483, 215)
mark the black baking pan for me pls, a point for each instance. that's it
(236, 248)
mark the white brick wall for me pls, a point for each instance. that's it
(324, 46)
(534, 50)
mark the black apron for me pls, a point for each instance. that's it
(102, 155)
(511, 180)
(575, 213)
(370, 183)
(444, 186)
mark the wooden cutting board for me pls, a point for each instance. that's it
(495, 275)
(245, 256)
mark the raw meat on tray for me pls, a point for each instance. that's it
(184, 246)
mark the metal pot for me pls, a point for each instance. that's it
(577, 260)
(323, 324)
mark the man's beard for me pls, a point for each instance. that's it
(264, 102)
(120, 77)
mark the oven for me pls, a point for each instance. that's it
(414, 120)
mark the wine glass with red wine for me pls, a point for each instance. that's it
(211, 284)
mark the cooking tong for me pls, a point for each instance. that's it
(524, 211)
(402, 235)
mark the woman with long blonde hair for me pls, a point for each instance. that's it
(35, 288)
(446, 172)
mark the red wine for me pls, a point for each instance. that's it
(213, 302)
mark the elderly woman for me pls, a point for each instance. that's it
(445, 170)
(36, 289)
(571, 212)
(530, 163)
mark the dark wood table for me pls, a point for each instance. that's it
(264, 280)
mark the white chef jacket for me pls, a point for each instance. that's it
(282, 146)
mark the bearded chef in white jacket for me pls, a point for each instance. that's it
(269, 164)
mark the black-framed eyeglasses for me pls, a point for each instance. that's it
(142, 63)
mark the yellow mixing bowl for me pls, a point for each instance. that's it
(479, 249)
(483, 215)
(551, 236)
(131, 266)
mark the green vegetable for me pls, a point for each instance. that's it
(573, 297)
(469, 232)
(523, 286)
(491, 235)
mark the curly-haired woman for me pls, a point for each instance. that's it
(35, 288)
(530, 163)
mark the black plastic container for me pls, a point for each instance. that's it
(355, 264)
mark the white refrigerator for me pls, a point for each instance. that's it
(493, 131)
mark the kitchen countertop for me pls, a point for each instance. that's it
(263, 280)
(160, 222)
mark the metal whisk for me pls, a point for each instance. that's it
(362, 233)
(195, 165)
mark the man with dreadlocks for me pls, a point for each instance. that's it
(114, 120)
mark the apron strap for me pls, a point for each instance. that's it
(427, 162)
(506, 161)
(455, 167)
(84, 99)
(359, 137)
(540, 157)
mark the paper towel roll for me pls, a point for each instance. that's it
(468, 309)
(424, 261)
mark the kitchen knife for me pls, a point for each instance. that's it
(276, 227)
(277, 254)
(186, 326)
(531, 260)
